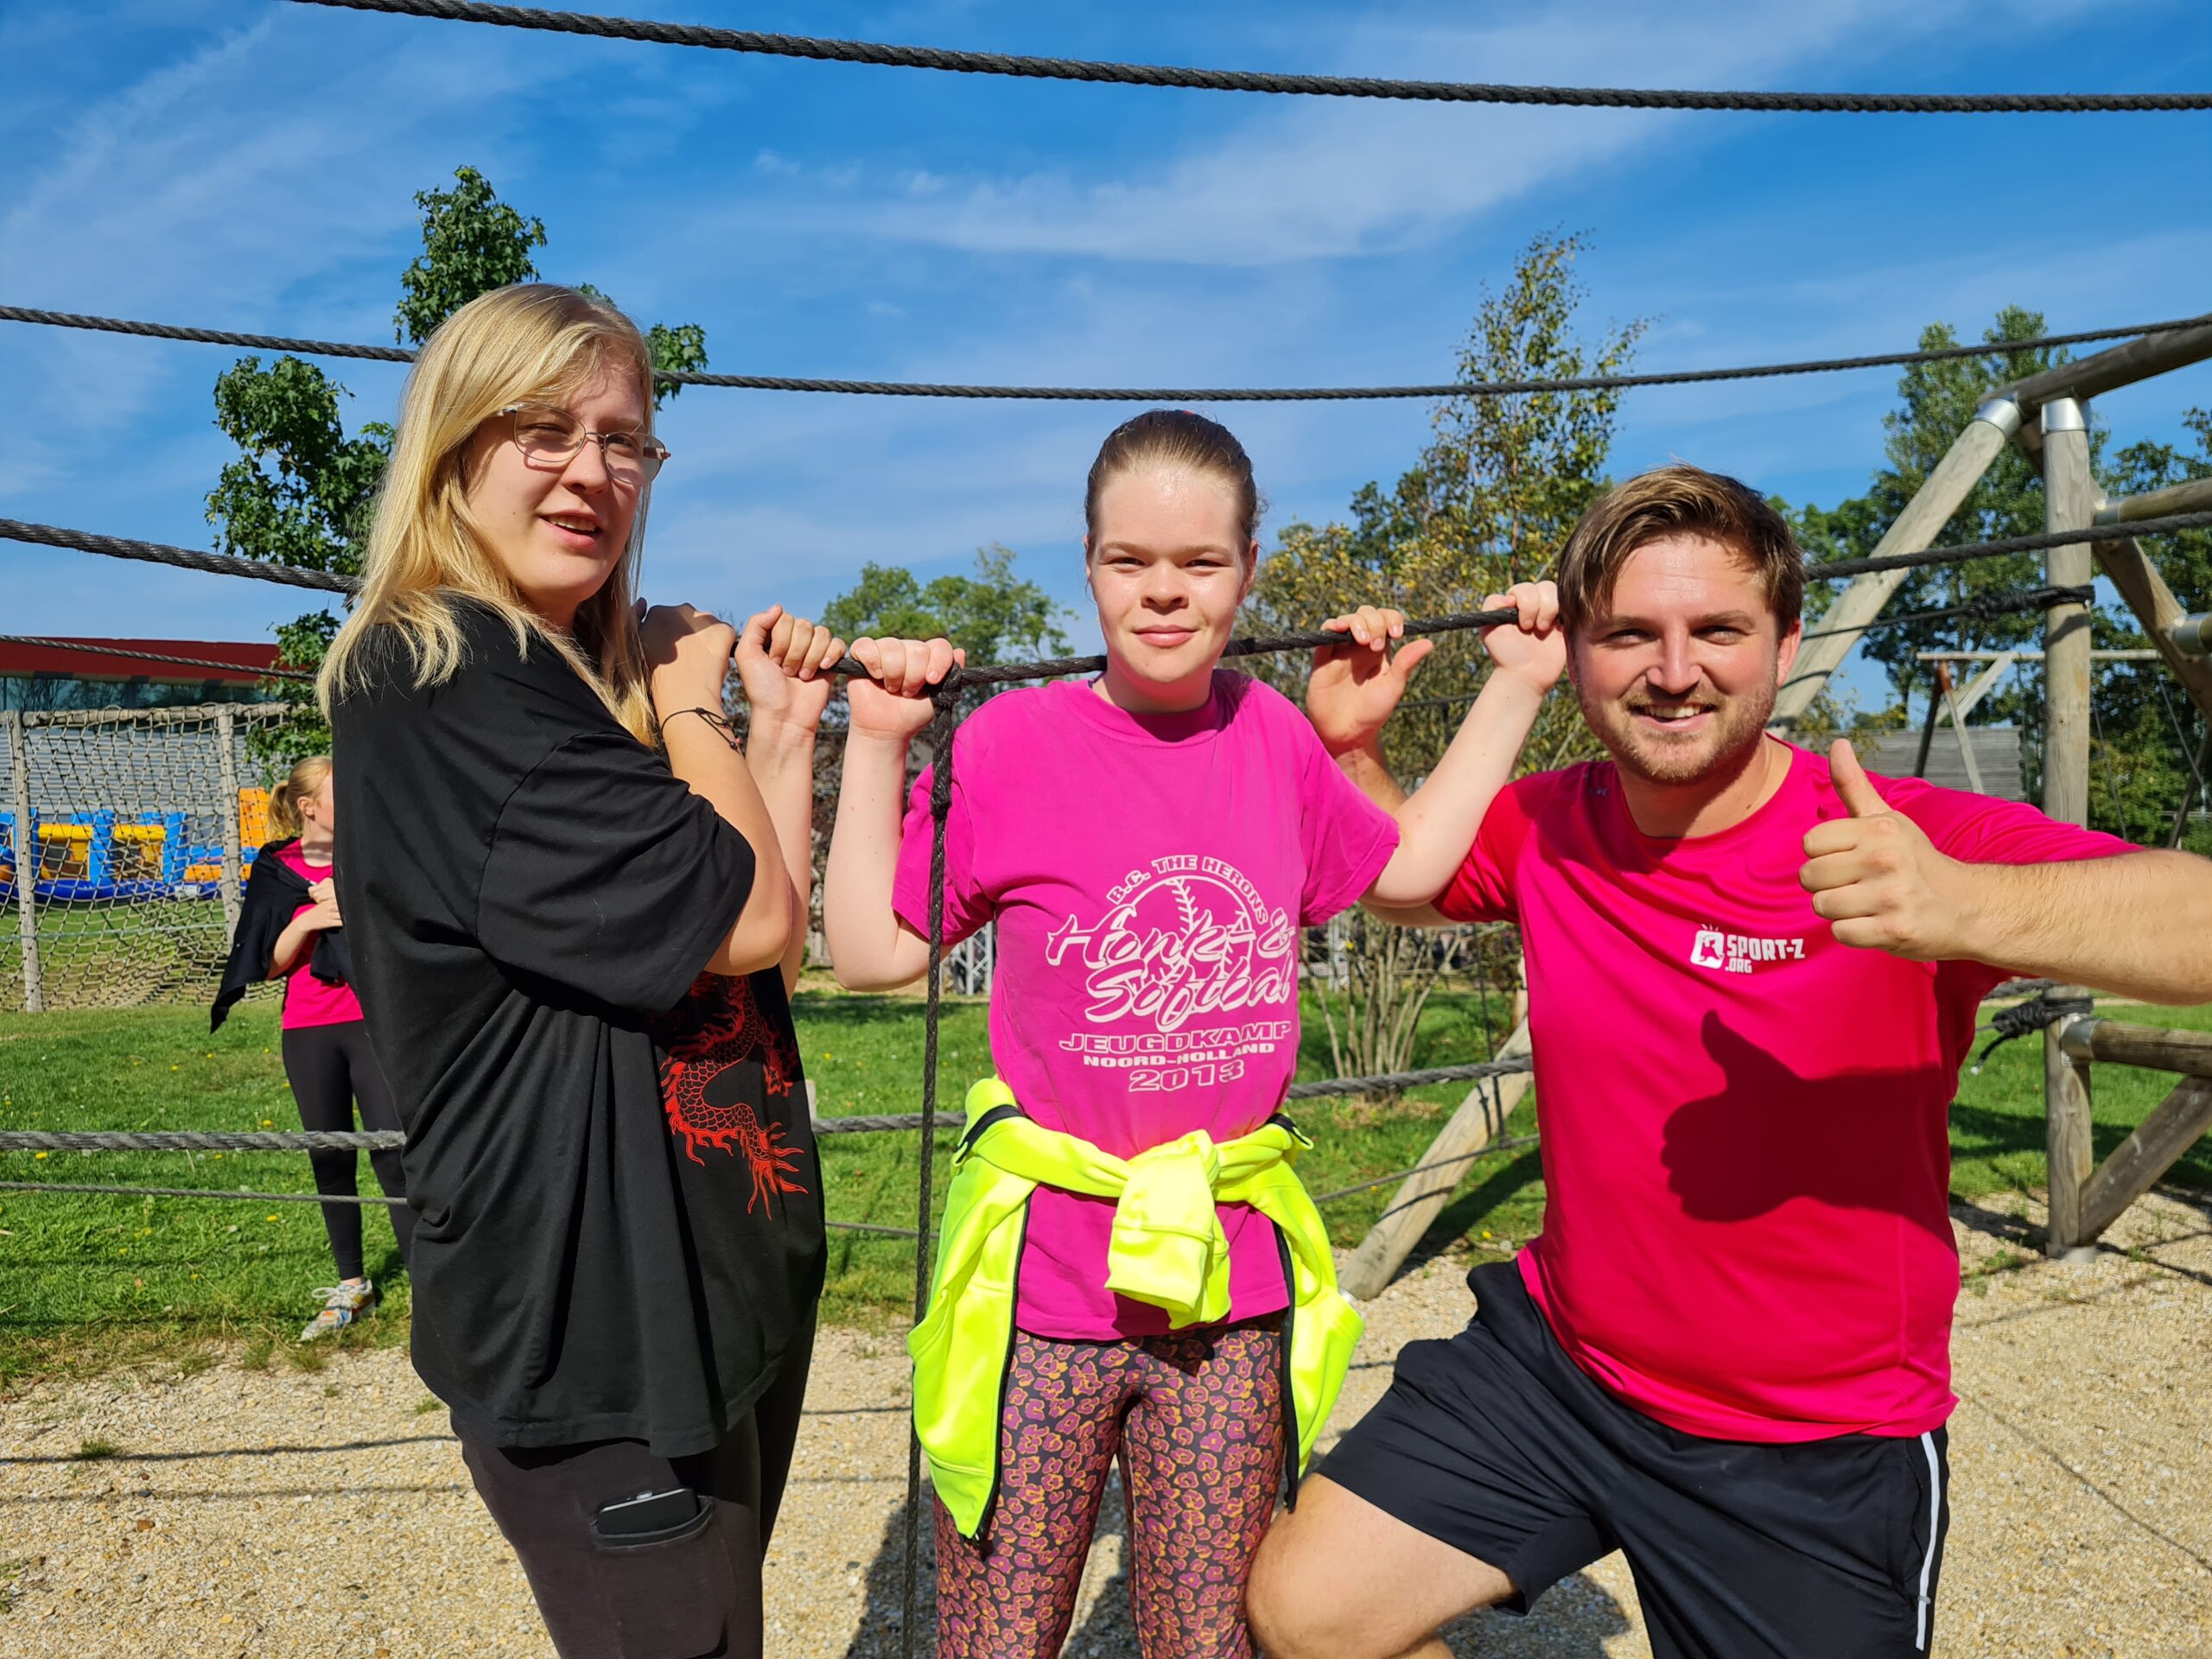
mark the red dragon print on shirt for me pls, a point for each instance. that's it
(708, 1039)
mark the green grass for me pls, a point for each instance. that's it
(88, 1283)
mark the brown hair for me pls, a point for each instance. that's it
(1661, 502)
(307, 776)
(1181, 439)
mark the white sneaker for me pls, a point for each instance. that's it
(340, 1303)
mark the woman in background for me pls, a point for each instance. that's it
(289, 929)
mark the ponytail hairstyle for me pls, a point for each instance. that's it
(305, 779)
(1181, 441)
(534, 342)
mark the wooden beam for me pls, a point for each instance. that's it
(2016, 654)
(2162, 1048)
(2160, 613)
(2070, 497)
(2171, 1130)
(1480, 1119)
(2193, 495)
(1911, 532)
(2120, 365)
(2070, 1152)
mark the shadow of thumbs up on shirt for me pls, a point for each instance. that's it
(1770, 1135)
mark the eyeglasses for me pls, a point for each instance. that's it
(548, 439)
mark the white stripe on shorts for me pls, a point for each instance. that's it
(1928, 1560)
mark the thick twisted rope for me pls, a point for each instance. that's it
(152, 656)
(1981, 609)
(184, 558)
(1244, 80)
(2171, 525)
(230, 565)
(943, 726)
(1140, 394)
(242, 1195)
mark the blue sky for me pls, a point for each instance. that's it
(251, 166)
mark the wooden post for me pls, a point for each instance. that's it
(2173, 1126)
(26, 864)
(1913, 530)
(2070, 496)
(1479, 1119)
(2067, 1143)
(1959, 725)
(233, 857)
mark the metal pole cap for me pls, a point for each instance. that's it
(2064, 414)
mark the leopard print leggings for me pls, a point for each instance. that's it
(1197, 1419)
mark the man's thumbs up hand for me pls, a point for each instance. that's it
(1877, 881)
(1851, 783)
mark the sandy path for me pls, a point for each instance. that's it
(323, 1514)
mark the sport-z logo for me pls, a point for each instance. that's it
(1739, 953)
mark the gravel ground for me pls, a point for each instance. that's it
(244, 1513)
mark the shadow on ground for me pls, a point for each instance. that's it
(1573, 1620)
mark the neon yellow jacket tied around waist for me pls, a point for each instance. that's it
(1168, 1250)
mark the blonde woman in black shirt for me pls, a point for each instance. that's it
(576, 911)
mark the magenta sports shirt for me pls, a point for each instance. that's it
(1148, 876)
(1747, 1231)
(309, 1000)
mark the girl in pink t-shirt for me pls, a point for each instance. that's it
(327, 1053)
(1148, 846)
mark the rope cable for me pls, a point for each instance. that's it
(1243, 80)
(231, 564)
(1142, 394)
(271, 673)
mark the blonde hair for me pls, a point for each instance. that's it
(305, 779)
(535, 342)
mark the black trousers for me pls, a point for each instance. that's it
(330, 1068)
(695, 1596)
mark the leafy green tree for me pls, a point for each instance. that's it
(300, 492)
(471, 243)
(997, 616)
(1490, 501)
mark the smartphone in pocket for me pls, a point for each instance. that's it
(651, 1517)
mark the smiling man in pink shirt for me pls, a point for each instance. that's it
(1752, 974)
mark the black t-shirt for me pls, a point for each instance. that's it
(620, 1207)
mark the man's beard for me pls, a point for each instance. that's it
(1735, 726)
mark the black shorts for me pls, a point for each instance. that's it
(1497, 1444)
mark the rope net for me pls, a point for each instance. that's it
(125, 838)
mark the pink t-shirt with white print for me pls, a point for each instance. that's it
(1148, 876)
(1747, 1231)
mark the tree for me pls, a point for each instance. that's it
(300, 492)
(1490, 501)
(998, 617)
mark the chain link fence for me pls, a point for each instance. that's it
(125, 836)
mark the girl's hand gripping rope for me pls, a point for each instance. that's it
(1354, 686)
(1437, 824)
(780, 658)
(893, 702)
